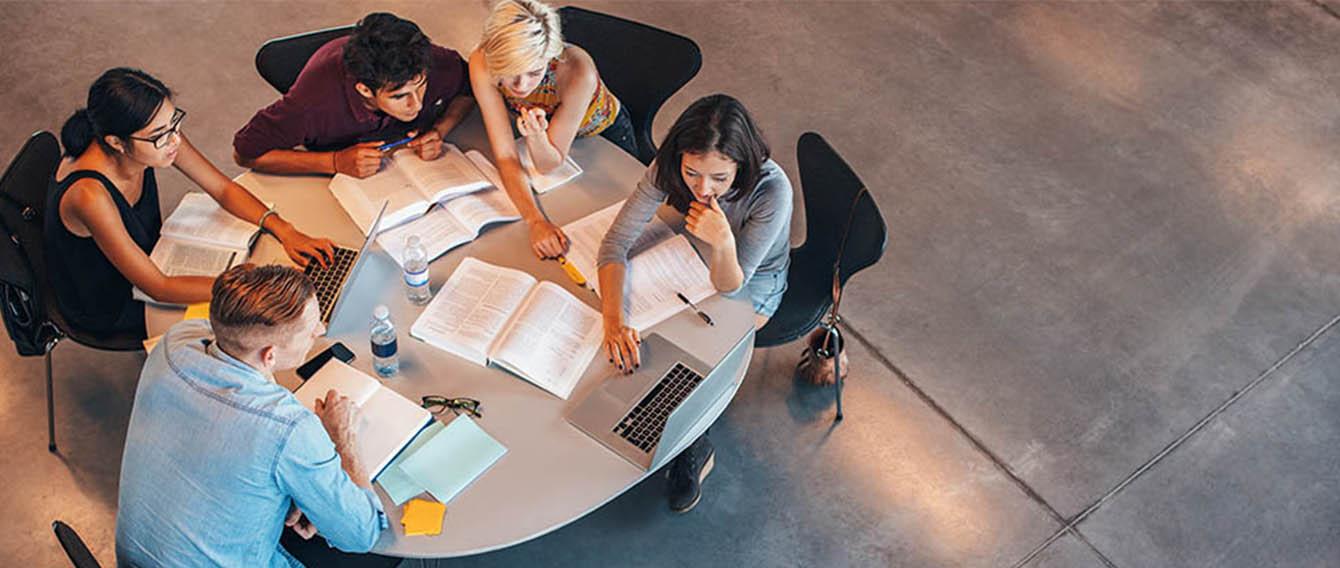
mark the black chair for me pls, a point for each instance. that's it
(280, 60)
(23, 193)
(80, 557)
(642, 65)
(844, 234)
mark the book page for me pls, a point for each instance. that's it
(439, 231)
(362, 198)
(390, 422)
(451, 174)
(485, 168)
(350, 382)
(472, 308)
(655, 275)
(199, 218)
(183, 258)
(585, 234)
(479, 209)
(542, 183)
(551, 340)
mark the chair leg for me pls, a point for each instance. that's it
(51, 407)
(835, 339)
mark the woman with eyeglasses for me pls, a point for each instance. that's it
(102, 215)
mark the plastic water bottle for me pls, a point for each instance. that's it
(385, 359)
(416, 271)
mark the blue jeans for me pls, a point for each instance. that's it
(621, 132)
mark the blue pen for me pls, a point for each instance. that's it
(394, 145)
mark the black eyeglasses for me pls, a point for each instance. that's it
(436, 404)
(174, 127)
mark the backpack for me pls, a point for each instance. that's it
(22, 202)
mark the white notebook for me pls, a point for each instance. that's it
(661, 263)
(543, 183)
(389, 420)
(200, 238)
(409, 185)
(451, 224)
(534, 329)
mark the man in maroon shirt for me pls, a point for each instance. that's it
(383, 83)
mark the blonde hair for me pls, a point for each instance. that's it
(518, 35)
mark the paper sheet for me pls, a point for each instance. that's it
(453, 459)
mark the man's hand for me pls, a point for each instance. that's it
(299, 523)
(359, 160)
(427, 145)
(708, 223)
(340, 417)
(547, 240)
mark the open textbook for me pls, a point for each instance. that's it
(411, 185)
(660, 264)
(536, 330)
(200, 238)
(451, 224)
(389, 420)
(542, 183)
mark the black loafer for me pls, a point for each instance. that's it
(684, 479)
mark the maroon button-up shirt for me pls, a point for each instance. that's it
(324, 112)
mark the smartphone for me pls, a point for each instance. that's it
(336, 350)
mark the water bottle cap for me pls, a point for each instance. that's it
(412, 241)
(381, 312)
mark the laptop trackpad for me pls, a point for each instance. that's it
(625, 388)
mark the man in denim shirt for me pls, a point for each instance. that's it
(219, 458)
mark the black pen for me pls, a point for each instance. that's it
(695, 308)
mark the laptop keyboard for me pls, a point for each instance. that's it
(643, 425)
(328, 280)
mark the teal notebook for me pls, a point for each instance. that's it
(452, 459)
(398, 485)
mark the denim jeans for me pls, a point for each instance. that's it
(621, 132)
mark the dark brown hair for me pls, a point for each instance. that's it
(247, 297)
(713, 123)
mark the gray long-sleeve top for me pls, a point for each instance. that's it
(761, 223)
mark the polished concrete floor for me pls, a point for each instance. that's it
(1102, 334)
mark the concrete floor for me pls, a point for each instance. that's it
(1101, 335)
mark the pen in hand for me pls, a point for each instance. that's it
(700, 313)
(393, 145)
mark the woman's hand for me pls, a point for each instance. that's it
(621, 345)
(708, 223)
(547, 240)
(303, 249)
(532, 123)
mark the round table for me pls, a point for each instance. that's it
(552, 473)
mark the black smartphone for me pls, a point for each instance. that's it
(336, 350)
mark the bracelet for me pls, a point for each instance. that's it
(264, 216)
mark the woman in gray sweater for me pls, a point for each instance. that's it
(713, 167)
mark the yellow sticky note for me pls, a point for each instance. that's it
(423, 517)
(197, 311)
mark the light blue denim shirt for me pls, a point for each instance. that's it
(215, 455)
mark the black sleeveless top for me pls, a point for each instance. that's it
(92, 293)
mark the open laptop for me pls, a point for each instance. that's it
(643, 416)
(331, 281)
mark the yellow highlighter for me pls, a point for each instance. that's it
(573, 273)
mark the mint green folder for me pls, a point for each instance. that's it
(397, 485)
(454, 458)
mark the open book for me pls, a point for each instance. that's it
(661, 263)
(411, 185)
(200, 238)
(536, 330)
(450, 224)
(389, 420)
(542, 183)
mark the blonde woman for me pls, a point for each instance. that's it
(522, 68)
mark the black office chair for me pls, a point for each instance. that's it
(844, 234)
(80, 557)
(642, 65)
(32, 316)
(280, 60)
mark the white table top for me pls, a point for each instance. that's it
(552, 473)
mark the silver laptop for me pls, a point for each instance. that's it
(643, 416)
(333, 280)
